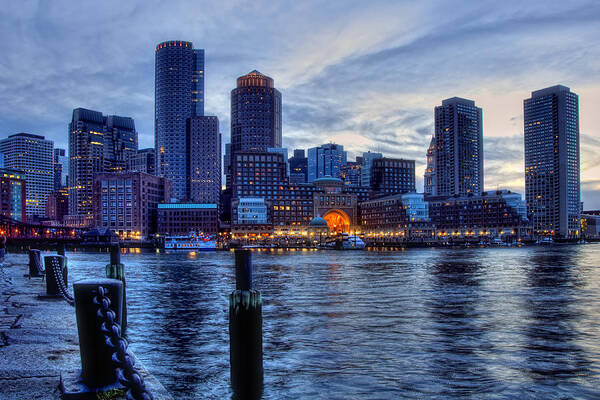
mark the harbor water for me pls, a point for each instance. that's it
(480, 323)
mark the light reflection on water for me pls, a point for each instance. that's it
(421, 323)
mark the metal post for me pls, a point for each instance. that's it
(116, 270)
(52, 288)
(245, 331)
(61, 249)
(35, 263)
(97, 366)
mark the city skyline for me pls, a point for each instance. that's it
(395, 81)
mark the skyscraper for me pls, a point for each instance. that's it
(61, 168)
(325, 160)
(96, 144)
(33, 156)
(179, 95)
(255, 114)
(365, 172)
(458, 150)
(552, 170)
(429, 176)
(204, 159)
(298, 165)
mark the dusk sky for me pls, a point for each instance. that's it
(363, 74)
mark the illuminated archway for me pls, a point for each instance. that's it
(337, 220)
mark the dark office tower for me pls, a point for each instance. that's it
(298, 167)
(552, 181)
(255, 114)
(458, 148)
(429, 177)
(204, 159)
(61, 168)
(96, 144)
(179, 95)
(392, 176)
(143, 161)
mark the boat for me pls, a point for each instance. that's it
(545, 241)
(190, 242)
(344, 242)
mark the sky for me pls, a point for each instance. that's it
(366, 75)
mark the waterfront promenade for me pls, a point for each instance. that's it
(38, 339)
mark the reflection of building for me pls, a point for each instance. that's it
(183, 218)
(33, 155)
(12, 195)
(552, 186)
(494, 213)
(178, 95)
(338, 207)
(127, 203)
(325, 160)
(392, 176)
(97, 143)
(458, 149)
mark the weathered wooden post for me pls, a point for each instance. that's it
(116, 270)
(245, 331)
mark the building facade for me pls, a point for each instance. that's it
(33, 155)
(127, 202)
(392, 176)
(458, 148)
(61, 168)
(97, 144)
(326, 160)
(298, 167)
(13, 195)
(179, 95)
(429, 176)
(143, 161)
(57, 205)
(552, 165)
(204, 159)
(368, 158)
(407, 213)
(183, 218)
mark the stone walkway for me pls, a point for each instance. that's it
(38, 339)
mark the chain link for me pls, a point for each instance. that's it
(127, 375)
(60, 283)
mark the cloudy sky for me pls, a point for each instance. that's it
(363, 74)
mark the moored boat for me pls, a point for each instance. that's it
(190, 242)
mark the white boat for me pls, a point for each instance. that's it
(190, 242)
(345, 242)
(546, 240)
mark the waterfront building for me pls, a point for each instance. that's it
(392, 176)
(298, 167)
(255, 114)
(97, 144)
(590, 224)
(337, 206)
(283, 151)
(204, 159)
(178, 95)
(57, 205)
(33, 155)
(367, 161)
(13, 195)
(127, 202)
(492, 214)
(552, 165)
(183, 218)
(429, 176)
(61, 168)
(458, 148)
(326, 160)
(143, 161)
(405, 214)
(251, 210)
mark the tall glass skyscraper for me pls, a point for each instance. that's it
(326, 160)
(179, 95)
(552, 170)
(458, 148)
